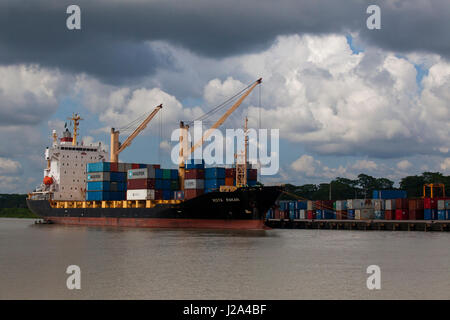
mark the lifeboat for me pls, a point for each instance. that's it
(48, 180)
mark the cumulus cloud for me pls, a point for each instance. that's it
(445, 165)
(8, 166)
(404, 165)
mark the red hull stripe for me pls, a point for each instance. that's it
(162, 223)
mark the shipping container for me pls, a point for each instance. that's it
(302, 214)
(378, 204)
(415, 204)
(158, 173)
(230, 173)
(98, 186)
(99, 176)
(141, 194)
(311, 214)
(429, 203)
(178, 195)
(194, 174)
(429, 214)
(350, 214)
(195, 164)
(192, 193)
(341, 215)
(114, 166)
(416, 214)
(341, 205)
(441, 204)
(215, 173)
(302, 204)
(251, 183)
(229, 181)
(379, 214)
(447, 204)
(167, 194)
(135, 166)
(401, 214)
(367, 214)
(174, 185)
(121, 167)
(389, 204)
(104, 196)
(401, 203)
(252, 174)
(141, 184)
(166, 185)
(142, 173)
(355, 204)
(389, 214)
(389, 194)
(98, 167)
(309, 205)
(214, 184)
(118, 176)
(441, 214)
(194, 184)
(158, 184)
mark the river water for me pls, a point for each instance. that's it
(209, 264)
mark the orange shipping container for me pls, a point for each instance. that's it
(229, 181)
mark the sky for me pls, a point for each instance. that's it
(346, 99)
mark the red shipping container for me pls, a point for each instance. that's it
(401, 214)
(135, 166)
(158, 195)
(341, 215)
(114, 166)
(140, 184)
(252, 174)
(156, 166)
(388, 215)
(415, 204)
(311, 214)
(194, 174)
(429, 203)
(401, 203)
(192, 193)
(230, 172)
(415, 214)
(323, 205)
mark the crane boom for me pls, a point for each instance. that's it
(183, 141)
(117, 148)
(224, 117)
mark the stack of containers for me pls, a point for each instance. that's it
(341, 209)
(324, 209)
(447, 208)
(194, 178)
(141, 183)
(292, 205)
(389, 194)
(230, 176)
(354, 208)
(214, 178)
(301, 209)
(379, 205)
(310, 213)
(441, 212)
(415, 207)
(167, 182)
(430, 209)
(367, 210)
(389, 212)
(105, 183)
(401, 209)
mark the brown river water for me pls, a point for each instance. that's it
(130, 263)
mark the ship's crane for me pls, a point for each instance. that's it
(117, 147)
(185, 151)
(433, 187)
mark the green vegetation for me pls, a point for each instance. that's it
(363, 186)
(17, 213)
(15, 206)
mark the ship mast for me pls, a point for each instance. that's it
(76, 122)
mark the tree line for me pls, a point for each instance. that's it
(363, 187)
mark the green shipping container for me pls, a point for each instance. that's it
(174, 185)
(166, 174)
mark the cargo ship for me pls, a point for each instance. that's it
(81, 188)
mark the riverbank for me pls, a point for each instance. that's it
(17, 213)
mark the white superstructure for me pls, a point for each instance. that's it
(65, 175)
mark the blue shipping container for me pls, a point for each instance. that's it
(98, 167)
(195, 164)
(429, 214)
(118, 176)
(174, 174)
(319, 214)
(167, 194)
(166, 184)
(104, 196)
(159, 184)
(292, 214)
(215, 173)
(389, 194)
(441, 215)
(302, 205)
(351, 214)
(251, 183)
(211, 184)
(98, 186)
(158, 174)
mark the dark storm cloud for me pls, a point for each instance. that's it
(111, 44)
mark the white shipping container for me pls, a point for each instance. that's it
(378, 204)
(141, 194)
(143, 173)
(367, 214)
(441, 204)
(98, 176)
(309, 205)
(341, 205)
(355, 204)
(368, 204)
(389, 204)
(302, 214)
(194, 184)
(357, 214)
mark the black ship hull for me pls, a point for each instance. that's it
(242, 209)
